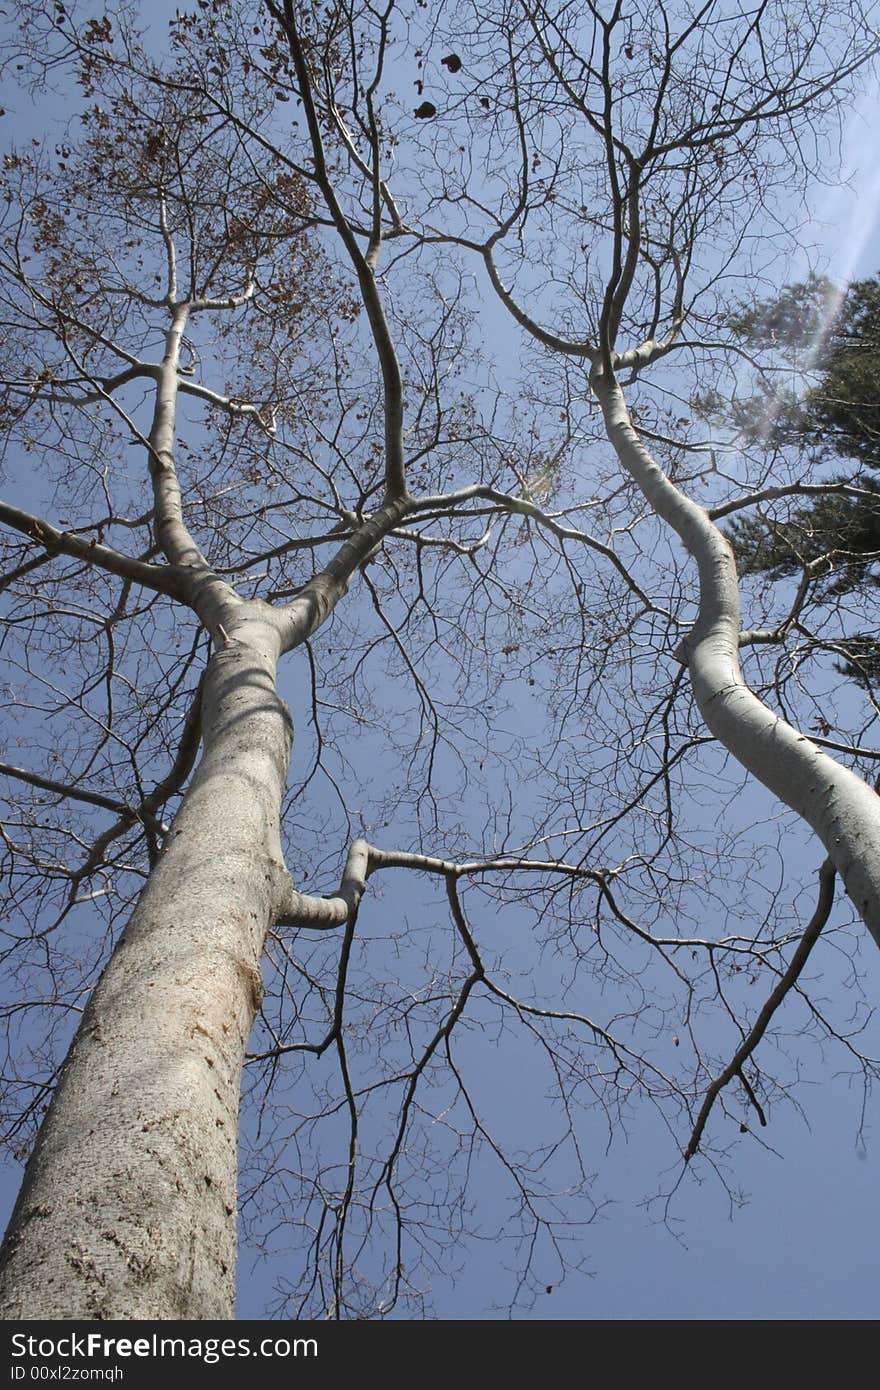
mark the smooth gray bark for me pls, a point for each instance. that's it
(842, 809)
(128, 1208)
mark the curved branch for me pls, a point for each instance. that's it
(735, 1066)
(325, 914)
(839, 806)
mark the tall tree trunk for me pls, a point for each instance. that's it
(128, 1207)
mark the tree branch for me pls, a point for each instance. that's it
(163, 579)
(786, 984)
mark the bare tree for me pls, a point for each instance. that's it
(244, 305)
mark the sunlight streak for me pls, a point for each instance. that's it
(842, 231)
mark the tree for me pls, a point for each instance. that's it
(831, 544)
(278, 316)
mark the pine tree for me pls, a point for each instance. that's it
(831, 339)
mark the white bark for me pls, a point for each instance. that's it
(128, 1208)
(842, 809)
